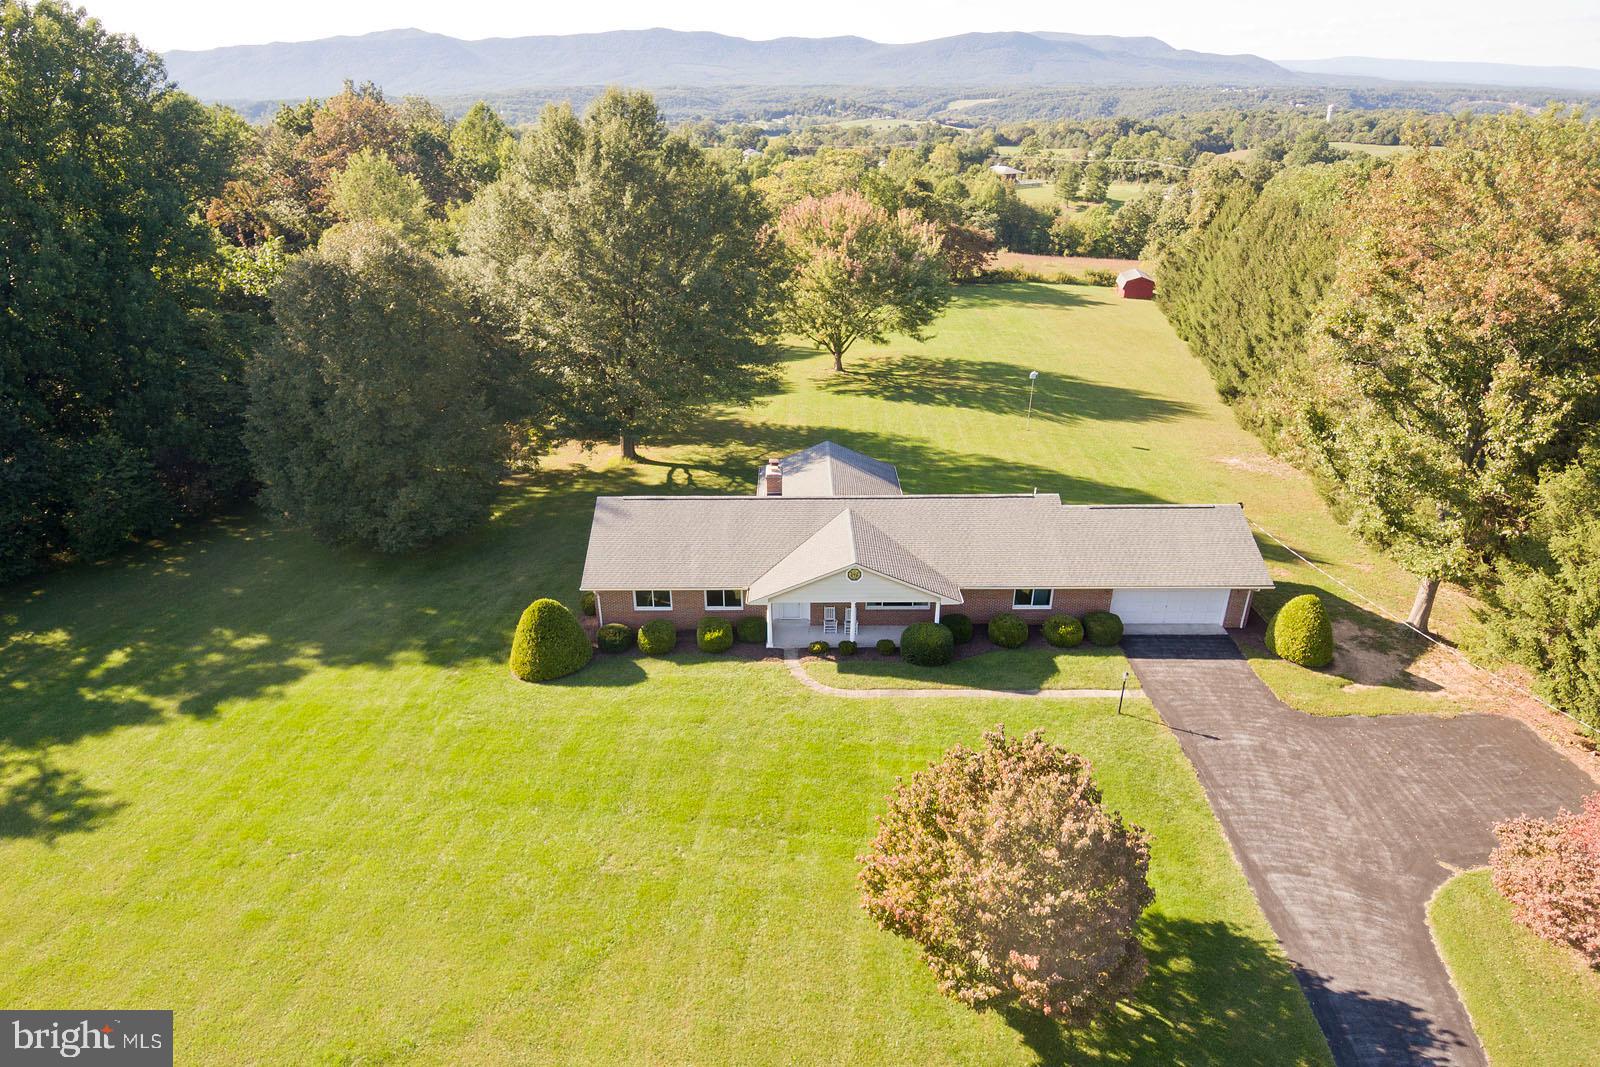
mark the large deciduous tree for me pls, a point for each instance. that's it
(370, 419)
(120, 352)
(638, 276)
(860, 273)
(1021, 888)
(1462, 342)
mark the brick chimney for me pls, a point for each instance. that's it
(774, 477)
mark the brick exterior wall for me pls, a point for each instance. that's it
(981, 605)
(688, 608)
(1236, 604)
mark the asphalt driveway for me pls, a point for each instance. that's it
(1345, 827)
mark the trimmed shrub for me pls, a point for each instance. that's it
(1008, 630)
(959, 625)
(1301, 632)
(615, 637)
(848, 648)
(1549, 870)
(714, 635)
(970, 860)
(752, 630)
(657, 637)
(1102, 628)
(1063, 631)
(549, 642)
(887, 647)
(588, 603)
(818, 648)
(928, 644)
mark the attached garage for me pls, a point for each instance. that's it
(1171, 610)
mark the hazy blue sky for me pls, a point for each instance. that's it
(1540, 32)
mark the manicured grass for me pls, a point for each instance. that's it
(294, 794)
(1532, 1003)
(1034, 667)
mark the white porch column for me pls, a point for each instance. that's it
(936, 605)
(769, 626)
(855, 619)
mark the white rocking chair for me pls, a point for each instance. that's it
(830, 621)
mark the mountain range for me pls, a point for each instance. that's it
(415, 61)
(1580, 79)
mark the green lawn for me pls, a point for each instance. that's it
(1034, 667)
(1532, 1003)
(294, 794)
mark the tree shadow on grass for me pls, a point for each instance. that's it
(999, 388)
(730, 450)
(1022, 294)
(1213, 995)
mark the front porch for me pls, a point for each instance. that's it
(799, 633)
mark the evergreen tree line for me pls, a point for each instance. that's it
(360, 313)
(1422, 334)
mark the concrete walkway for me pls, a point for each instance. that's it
(1346, 827)
(791, 659)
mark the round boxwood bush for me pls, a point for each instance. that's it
(1102, 628)
(928, 644)
(959, 625)
(1301, 632)
(752, 630)
(615, 637)
(657, 637)
(588, 603)
(714, 635)
(887, 647)
(848, 648)
(548, 643)
(1063, 631)
(818, 648)
(1008, 630)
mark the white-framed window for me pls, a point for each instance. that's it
(1031, 598)
(897, 605)
(724, 599)
(652, 599)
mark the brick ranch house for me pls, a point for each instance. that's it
(828, 547)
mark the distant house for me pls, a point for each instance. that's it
(1135, 284)
(829, 547)
(1005, 173)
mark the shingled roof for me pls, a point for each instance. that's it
(829, 469)
(973, 542)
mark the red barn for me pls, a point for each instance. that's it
(1135, 284)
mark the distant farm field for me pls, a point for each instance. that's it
(1061, 265)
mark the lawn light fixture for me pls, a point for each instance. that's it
(1033, 376)
(1123, 693)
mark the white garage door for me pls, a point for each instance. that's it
(1169, 609)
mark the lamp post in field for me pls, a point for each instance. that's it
(1033, 376)
(1123, 693)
